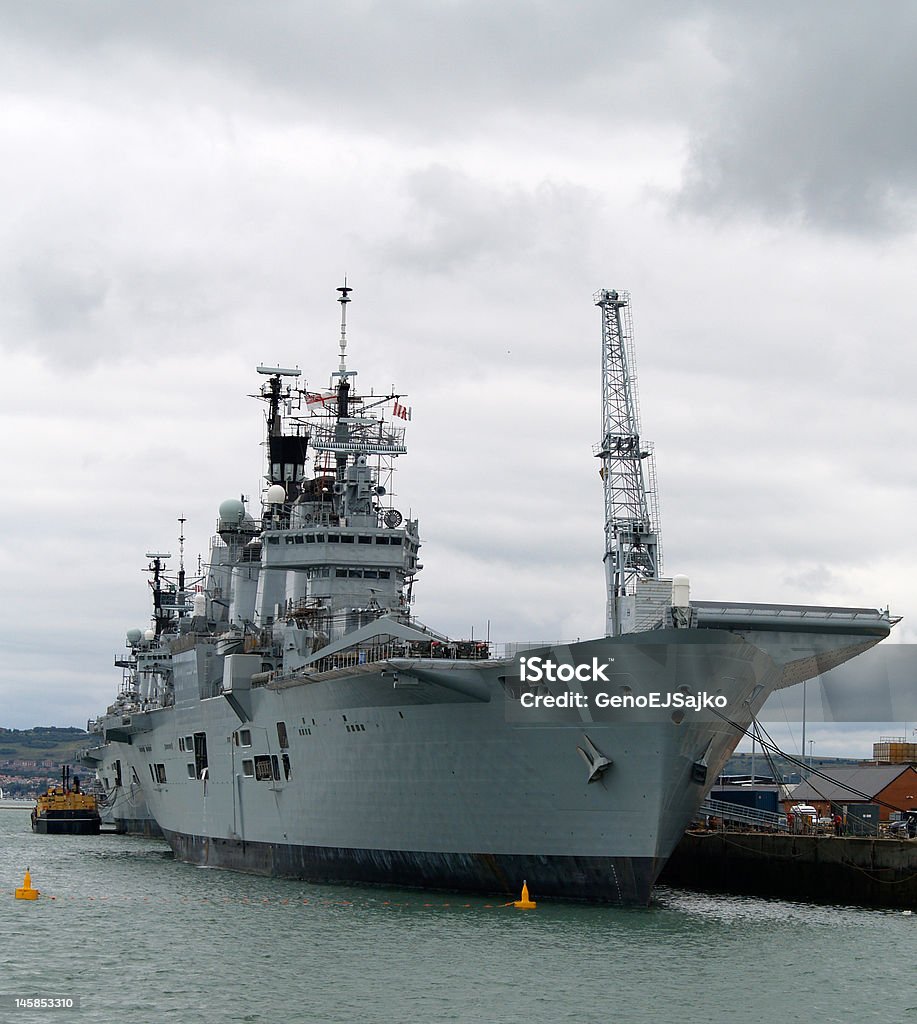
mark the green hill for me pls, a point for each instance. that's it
(43, 743)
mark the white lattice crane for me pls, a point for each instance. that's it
(632, 549)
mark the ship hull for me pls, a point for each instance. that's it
(66, 823)
(122, 807)
(616, 880)
(431, 774)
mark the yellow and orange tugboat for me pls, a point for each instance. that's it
(66, 809)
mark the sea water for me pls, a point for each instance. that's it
(136, 936)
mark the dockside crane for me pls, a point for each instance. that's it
(632, 548)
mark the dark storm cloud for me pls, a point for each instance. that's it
(788, 111)
(813, 118)
(400, 64)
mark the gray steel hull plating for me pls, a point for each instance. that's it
(437, 778)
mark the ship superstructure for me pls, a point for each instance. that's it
(300, 721)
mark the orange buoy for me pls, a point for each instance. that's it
(525, 903)
(26, 892)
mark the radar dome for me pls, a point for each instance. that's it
(150, 634)
(134, 636)
(231, 510)
(276, 495)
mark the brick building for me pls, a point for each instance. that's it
(894, 784)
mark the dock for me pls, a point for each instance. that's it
(829, 869)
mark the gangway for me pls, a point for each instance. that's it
(725, 810)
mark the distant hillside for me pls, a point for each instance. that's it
(43, 743)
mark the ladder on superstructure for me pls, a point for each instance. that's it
(632, 549)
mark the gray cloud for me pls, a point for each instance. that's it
(456, 220)
(403, 65)
(812, 119)
(191, 182)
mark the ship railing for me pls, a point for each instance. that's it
(788, 611)
(374, 654)
(739, 814)
(360, 656)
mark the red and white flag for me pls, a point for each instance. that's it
(402, 411)
(315, 399)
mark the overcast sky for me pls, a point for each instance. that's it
(185, 185)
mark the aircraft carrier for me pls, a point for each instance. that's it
(288, 714)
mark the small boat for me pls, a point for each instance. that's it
(66, 809)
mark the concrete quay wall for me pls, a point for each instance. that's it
(815, 869)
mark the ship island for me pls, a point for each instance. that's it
(286, 713)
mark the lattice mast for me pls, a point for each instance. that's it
(632, 551)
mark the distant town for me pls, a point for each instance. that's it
(31, 759)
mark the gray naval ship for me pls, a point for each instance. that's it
(295, 718)
(118, 789)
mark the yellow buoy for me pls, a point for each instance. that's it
(27, 892)
(525, 903)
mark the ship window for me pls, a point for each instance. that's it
(382, 540)
(394, 540)
(191, 773)
(248, 768)
(160, 773)
(199, 746)
(273, 540)
(384, 574)
(235, 738)
(275, 767)
(282, 734)
(189, 743)
(355, 573)
(275, 470)
(370, 574)
(297, 539)
(152, 773)
(346, 538)
(289, 539)
(181, 742)
(310, 538)
(340, 573)
(286, 766)
(263, 771)
(365, 540)
(326, 571)
(320, 538)
(135, 776)
(334, 538)
(245, 737)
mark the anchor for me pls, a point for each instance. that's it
(596, 761)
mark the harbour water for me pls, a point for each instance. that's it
(140, 937)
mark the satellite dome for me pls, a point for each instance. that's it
(231, 510)
(150, 634)
(276, 495)
(134, 636)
